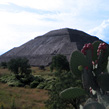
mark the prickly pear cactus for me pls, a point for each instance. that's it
(103, 81)
(95, 47)
(88, 80)
(104, 99)
(72, 93)
(92, 64)
(77, 59)
(93, 105)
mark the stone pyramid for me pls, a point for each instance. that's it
(41, 49)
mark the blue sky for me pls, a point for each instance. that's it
(23, 20)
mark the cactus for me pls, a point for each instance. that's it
(88, 80)
(103, 56)
(95, 47)
(103, 81)
(90, 64)
(77, 59)
(93, 105)
(72, 93)
(107, 68)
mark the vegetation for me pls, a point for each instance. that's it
(89, 69)
(19, 66)
(64, 79)
(59, 63)
(23, 97)
(3, 65)
(91, 65)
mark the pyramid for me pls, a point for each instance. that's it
(41, 49)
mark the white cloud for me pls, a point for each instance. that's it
(102, 31)
(18, 27)
(37, 4)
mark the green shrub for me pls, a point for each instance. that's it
(55, 85)
(3, 65)
(34, 84)
(59, 63)
(38, 78)
(41, 85)
(11, 80)
(15, 84)
(19, 66)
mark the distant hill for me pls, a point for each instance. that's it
(40, 50)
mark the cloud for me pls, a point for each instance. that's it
(22, 20)
(37, 4)
(102, 31)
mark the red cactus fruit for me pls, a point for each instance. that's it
(101, 47)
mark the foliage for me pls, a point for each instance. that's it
(91, 64)
(22, 98)
(19, 66)
(21, 69)
(63, 80)
(34, 84)
(59, 63)
(3, 65)
(13, 106)
(46, 83)
(11, 80)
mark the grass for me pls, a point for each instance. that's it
(38, 71)
(23, 98)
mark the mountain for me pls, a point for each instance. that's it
(40, 50)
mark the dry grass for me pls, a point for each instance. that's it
(38, 71)
(25, 98)
(4, 71)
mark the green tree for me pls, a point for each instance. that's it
(59, 63)
(3, 65)
(19, 66)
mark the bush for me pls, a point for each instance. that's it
(41, 85)
(15, 84)
(21, 69)
(59, 63)
(38, 78)
(19, 66)
(34, 84)
(11, 80)
(3, 65)
(42, 67)
(62, 81)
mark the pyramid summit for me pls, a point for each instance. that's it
(41, 49)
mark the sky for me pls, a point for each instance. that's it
(23, 20)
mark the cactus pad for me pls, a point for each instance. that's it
(72, 93)
(77, 59)
(94, 105)
(107, 69)
(103, 81)
(88, 80)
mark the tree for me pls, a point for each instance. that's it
(19, 66)
(3, 65)
(59, 63)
